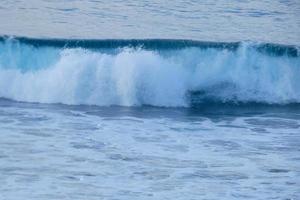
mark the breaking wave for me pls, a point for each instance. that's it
(155, 72)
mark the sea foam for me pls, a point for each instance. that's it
(135, 75)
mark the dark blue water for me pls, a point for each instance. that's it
(149, 100)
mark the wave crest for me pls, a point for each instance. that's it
(132, 76)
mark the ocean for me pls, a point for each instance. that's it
(161, 100)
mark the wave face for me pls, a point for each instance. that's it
(168, 73)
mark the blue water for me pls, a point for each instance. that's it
(149, 100)
(266, 20)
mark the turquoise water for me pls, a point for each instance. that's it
(149, 100)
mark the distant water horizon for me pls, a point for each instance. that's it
(259, 21)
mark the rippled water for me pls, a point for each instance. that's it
(260, 20)
(84, 152)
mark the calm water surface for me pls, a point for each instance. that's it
(268, 21)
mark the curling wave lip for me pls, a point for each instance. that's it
(170, 73)
(153, 44)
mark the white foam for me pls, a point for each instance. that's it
(137, 77)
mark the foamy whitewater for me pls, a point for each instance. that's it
(134, 76)
(149, 100)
